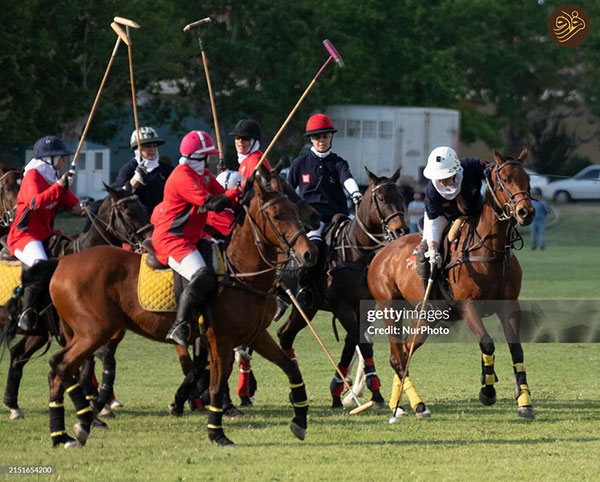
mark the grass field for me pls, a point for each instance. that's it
(462, 441)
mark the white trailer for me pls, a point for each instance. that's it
(384, 138)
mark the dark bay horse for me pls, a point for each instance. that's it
(10, 183)
(95, 295)
(481, 267)
(121, 218)
(379, 218)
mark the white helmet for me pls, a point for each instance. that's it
(229, 178)
(442, 163)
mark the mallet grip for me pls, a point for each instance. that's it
(197, 23)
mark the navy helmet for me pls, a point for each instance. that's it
(50, 146)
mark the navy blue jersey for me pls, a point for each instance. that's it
(151, 193)
(470, 189)
(321, 182)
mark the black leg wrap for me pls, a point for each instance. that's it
(11, 391)
(486, 344)
(106, 388)
(348, 351)
(85, 380)
(82, 405)
(215, 428)
(57, 421)
(299, 402)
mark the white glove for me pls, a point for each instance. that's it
(242, 352)
(139, 175)
(434, 257)
(356, 197)
(67, 179)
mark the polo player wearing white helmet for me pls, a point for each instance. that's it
(450, 180)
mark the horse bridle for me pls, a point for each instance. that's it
(386, 234)
(507, 209)
(9, 211)
(133, 236)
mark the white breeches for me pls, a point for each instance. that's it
(32, 252)
(434, 228)
(316, 234)
(188, 265)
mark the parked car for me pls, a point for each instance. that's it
(583, 185)
(538, 181)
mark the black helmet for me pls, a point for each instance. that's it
(50, 146)
(247, 128)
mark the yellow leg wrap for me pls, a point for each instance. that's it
(214, 409)
(56, 434)
(489, 380)
(89, 397)
(519, 367)
(84, 410)
(56, 404)
(210, 425)
(395, 392)
(201, 321)
(72, 387)
(525, 397)
(488, 360)
(411, 393)
(301, 404)
(296, 385)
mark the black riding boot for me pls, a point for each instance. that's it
(305, 295)
(31, 294)
(190, 304)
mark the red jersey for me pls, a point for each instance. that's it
(177, 223)
(247, 165)
(37, 203)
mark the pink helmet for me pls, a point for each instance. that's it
(199, 143)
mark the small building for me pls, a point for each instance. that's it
(92, 169)
(384, 138)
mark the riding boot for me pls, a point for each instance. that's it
(305, 295)
(423, 266)
(29, 317)
(190, 304)
(282, 305)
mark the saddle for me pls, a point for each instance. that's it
(335, 258)
(159, 286)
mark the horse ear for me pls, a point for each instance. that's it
(396, 175)
(497, 156)
(278, 167)
(259, 188)
(372, 177)
(522, 156)
(113, 192)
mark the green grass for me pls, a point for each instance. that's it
(462, 441)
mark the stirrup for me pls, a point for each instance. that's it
(179, 333)
(28, 319)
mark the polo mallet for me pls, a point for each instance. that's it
(196, 25)
(333, 55)
(130, 23)
(359, 408)
(393, 418)
(91, 114)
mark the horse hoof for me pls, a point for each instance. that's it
(486, 399)
(97, 423)
(220, 439)
(107, 412)
(297, 430)
(234, 413)
(16, 414)
(71, 443)
(526, 413)
(175, 410)
(80, 433)
(399, 413)
(422, 411)
(115, 404)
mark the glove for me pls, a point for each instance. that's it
(67, 179)
(356, 197)
(216, 203)
(435, 258)
(139, 175)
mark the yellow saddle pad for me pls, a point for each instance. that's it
(10, 277)
(155, 286)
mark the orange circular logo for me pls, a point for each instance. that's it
(568, 25)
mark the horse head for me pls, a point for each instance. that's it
(382, 206)
(10, 183)
(124, 217)
(510, 188)
(310, 217)
(278, 221)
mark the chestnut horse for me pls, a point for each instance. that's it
(95, 295)
(482, 267)
(10, 183)
(342, 284)
(120, 219)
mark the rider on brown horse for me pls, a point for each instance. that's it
(40, 195)
(190, 192)
(453, 190)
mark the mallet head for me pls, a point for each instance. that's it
(197, 23)
(333, 52)
(119, 31)
(126, 22)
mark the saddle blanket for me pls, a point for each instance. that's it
(10, 277)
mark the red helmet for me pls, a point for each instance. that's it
(197, 142)
(319, 123)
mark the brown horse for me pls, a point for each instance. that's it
(342, 285)
(481, 267)
(10, 183)
(95, 296)
(121, 218)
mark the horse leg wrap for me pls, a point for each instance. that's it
(57, 421)
(106, 389)
(291, 354)
(488, 375)
(337, 384)
(215, 419)
(300, 403)
(82, 406)
(411, 393)
(11, 392)
(395, 392)
(522, 393)
(243, 388)
(373, 382)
